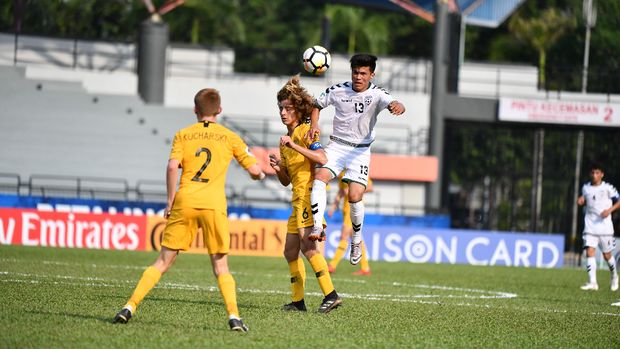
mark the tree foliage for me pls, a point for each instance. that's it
(541, 33)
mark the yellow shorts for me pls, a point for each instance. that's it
(183, 224)
(346, 214)
(301, 217)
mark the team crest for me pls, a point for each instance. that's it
(368, 100)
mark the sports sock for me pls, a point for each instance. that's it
(318, 198)
(357, 219)
(149, 279)
(591, 267)
(298, 279)
(612, 265)
(227, 286)
(319, 265)
(342, 246)
(364, 261)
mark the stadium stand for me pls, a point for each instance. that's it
(59, 140)
(78, 100)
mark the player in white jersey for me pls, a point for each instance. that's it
(599, 197)
(357, 104)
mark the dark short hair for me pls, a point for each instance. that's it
(596, 166)
(364, 60)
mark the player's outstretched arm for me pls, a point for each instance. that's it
(396, 108)
(255, 172)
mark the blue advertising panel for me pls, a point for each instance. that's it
(453, 246)
(234, 212)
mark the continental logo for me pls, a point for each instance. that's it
(253, 238)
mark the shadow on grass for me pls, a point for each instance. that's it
(108, 320)
(213, 301)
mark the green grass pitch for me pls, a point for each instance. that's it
(66, 298)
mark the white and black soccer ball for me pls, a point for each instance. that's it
(316, 60)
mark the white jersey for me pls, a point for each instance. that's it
(598, 198)
(356, 112)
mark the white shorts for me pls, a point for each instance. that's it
(355, 162)
(606, 242)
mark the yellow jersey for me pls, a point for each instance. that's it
(204, 151)
(300, 169)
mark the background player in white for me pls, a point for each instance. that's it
(598, 196)
(357, 104)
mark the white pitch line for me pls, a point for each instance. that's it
(38, 279)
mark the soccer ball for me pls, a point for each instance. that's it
(316, 60)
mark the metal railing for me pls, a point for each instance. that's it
(115, 189)
(78, 187)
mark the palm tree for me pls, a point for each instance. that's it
(542, 33)
(359, 25)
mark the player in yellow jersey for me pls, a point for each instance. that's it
(203, 152)
(347, 227)
(298, 156)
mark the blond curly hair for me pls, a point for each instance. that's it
(299, 96)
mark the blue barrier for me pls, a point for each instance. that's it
(454, 246)
(150, 208)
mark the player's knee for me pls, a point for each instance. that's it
(309, 253)
(291, 254)
(323, 174)
(163, 265)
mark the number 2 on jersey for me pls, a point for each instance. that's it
(197, 178)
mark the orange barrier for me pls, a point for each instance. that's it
(384, 167)
(403, 168)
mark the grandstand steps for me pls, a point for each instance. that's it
(58, 128)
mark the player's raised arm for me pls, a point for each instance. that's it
(255, 172)
(314, 123)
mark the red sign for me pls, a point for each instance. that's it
(73, 230)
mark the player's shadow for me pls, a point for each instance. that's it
(108, 319)
(71, 315)
(210, 302)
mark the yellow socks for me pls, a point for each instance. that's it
(298, 279)
(149, 279)
(319, 265)
(342, 246)
(227, 286)
(364, 261)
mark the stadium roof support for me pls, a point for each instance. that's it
(483, 13)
